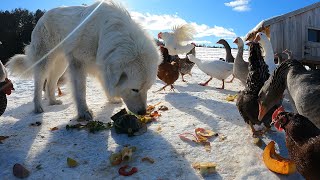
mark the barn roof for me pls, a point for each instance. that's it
(265, 23)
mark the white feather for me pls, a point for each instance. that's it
(268, 51)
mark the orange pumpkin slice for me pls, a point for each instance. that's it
(277, 163)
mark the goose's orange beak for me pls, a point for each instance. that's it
(262, 112)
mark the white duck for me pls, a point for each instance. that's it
(214, 68)
(268, 50)
(175, 41)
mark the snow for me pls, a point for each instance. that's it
(190, 106)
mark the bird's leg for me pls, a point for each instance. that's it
(172, 88)
(231, 79)
(255, 133)
(206, 83)
(265, 130)
(222, 84)
(183, 78)
(60, 92)
(163, 88)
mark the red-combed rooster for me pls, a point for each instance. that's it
(176, 41)
(302, 141)
(5, 88)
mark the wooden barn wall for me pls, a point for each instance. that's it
(291, 33)
(276, 37)
(311, 19)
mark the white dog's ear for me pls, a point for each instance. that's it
(114, 78)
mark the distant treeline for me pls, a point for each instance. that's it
(15, 31)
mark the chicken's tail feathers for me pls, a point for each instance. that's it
(184, 33)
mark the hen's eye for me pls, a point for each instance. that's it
(135, 90)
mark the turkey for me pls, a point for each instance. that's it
(247, 101)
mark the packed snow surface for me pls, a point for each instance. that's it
(44, 152)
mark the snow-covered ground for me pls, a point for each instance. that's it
(190, 106)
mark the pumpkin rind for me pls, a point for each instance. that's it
(277, 163)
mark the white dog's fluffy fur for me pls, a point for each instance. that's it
(110, 45)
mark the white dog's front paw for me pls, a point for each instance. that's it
(55, 102)
(38, 109)
(85, 116)
(115, 100)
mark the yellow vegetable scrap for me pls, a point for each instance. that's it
(205, 168)
(231, 97)
(277, 163)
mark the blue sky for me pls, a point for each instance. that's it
(213, 19)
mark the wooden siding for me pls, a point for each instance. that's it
(292, 33)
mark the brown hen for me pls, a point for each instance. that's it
(302, 141)
(168, 70)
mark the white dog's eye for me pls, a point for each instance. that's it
(135, 90)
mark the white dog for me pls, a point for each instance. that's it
(110, 45)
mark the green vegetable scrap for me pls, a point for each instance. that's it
(92, 126)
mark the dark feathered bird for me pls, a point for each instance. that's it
(185, 65)
(302, 86)
(280, 57)
(247, 101)
(302, 141)
(168, 71)
(229, 56)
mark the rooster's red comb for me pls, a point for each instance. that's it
(276, 112)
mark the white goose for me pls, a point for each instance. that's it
(268, 50)
(214, 68)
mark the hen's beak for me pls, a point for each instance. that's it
(257, 39)
(262, 112)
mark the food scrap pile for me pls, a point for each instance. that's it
(133, 125)
(201, 137)
(124, 156)
(92, 126)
